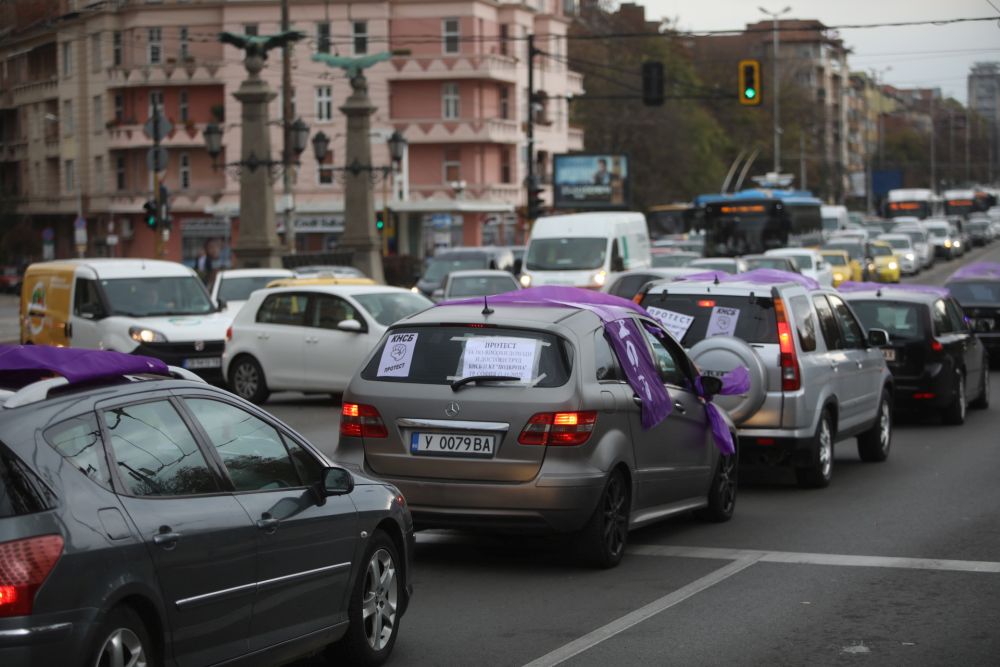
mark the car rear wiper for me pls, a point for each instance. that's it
(461, 382)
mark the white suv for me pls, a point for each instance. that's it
(816, 376)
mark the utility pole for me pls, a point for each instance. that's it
(776, 85)
(933, 147)
(158, 229)
(286, 131)
(968, 163)
(530, 131)
(951, 147)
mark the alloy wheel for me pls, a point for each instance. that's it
(122, 648)
(379, 600)
(825, 448)
(727, 482)
(246, 380)
(961, 395)
(885, 426)
(615, 516)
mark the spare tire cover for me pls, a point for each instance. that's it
(719, 355)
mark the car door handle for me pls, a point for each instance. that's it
(860, 365)
(262, 336)
(636, 400)
(833, 365)
(267, 523)
(166, 538)
(680, 407)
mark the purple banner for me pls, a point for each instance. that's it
(735, 382)
(755, 277)
(985, 270)
(23, 364)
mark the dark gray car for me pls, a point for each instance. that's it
(146, 520)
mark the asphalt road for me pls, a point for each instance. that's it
(894, 564)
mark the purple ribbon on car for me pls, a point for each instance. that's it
(23, 364)
(736, 381)
(851, 286)
(757, 277)
(976, 270)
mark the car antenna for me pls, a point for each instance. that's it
(753, 298)
(878, 292)
(716, 278)
(486, 307)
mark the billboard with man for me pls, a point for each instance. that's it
(590, 182)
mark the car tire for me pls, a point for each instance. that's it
(722, 492)
(954, 414)
(123, 639)
(818, 474)
(246, 379)
(982, 402)
(602, 541)
(369, 639)
(874, 444)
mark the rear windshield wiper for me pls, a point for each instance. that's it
(461, 382)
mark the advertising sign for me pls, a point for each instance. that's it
(590, 182)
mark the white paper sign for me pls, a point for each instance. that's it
(397, 355)
(723, 321)
(499, 355)
(676, 324)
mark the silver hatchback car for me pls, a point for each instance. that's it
(519, 418)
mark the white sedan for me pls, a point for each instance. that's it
(309, 338)
(810, 263)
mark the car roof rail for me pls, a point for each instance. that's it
(34, 392)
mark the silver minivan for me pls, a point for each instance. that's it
(816, 376)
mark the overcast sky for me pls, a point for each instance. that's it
(920, 56)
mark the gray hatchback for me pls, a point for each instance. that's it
(149, 520)
(519, 418)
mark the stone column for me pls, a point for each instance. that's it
(258, 245)
(360, 236)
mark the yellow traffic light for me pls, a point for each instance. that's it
(749, 82)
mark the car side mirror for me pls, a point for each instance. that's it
(437, 295)
(336, 482)
(517, 266)
(710, 385)
(220, 304)
(878, 337)
(982, 326)
(349, 325)
(617, 265)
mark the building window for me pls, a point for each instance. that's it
(183, 104)
(326, 169)
(504, 102)
(67, 118)
(120, 173)
(119, 107)
(155, 101)
(251, 29)
(99, 174)
(360, 30)
(450, 35)
(324, 103)
(67, 57)
(452, 165)
(183, 36)
(69, 171)
(116, 48)
(98, 113)
(449, 101)
(323, 37)
(504, 39)
(95, 52)
(505, 170)
(185, 171)
(154, 38)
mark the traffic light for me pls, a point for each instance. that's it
(535, 201)
(749, 78)
(149, 213)
(379, 221)
(652, 84)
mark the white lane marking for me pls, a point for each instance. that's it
(944, 565)
(631, 619)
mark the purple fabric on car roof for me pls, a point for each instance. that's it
(976, 270)
(756, 277)
(851, 286)
(23, 364)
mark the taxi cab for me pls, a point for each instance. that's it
(886, 262)
(840, 264)
(318, 282)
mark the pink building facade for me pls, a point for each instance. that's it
(78, 89)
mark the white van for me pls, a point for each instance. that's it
(585, 249)
(140, 306)
(834, 218)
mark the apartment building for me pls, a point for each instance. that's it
(984, 99)
(78, 83)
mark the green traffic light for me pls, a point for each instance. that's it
(750, 93)
(379, 224)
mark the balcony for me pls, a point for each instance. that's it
(29, 93)
(462, 130)
(481, 66)
(185, 73)
(504, 193)
(129, 136)
(574, 82)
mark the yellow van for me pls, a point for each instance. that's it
(310, 282)
(46, 293)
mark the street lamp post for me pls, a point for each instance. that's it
(776, 85)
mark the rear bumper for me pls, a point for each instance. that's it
(932, 389)
(49, 639)
(776, 451)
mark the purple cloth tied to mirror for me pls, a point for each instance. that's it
(851, 286)
(756, 277)
(21, 365)
(985, 270)
(735, 382)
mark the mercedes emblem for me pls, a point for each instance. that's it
(453, 409)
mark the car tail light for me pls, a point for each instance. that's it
(229, 334)
(790, 379)
(24, 566)
(361, 421)
(707, 303)
(766, 442)
(558, 428)
(924, 396)
(936, 346)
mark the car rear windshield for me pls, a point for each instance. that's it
(21, 492)
(902, 320)
(713, 315)
(444, 354)
(976, 292)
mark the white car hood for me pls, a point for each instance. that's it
(184, 328)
